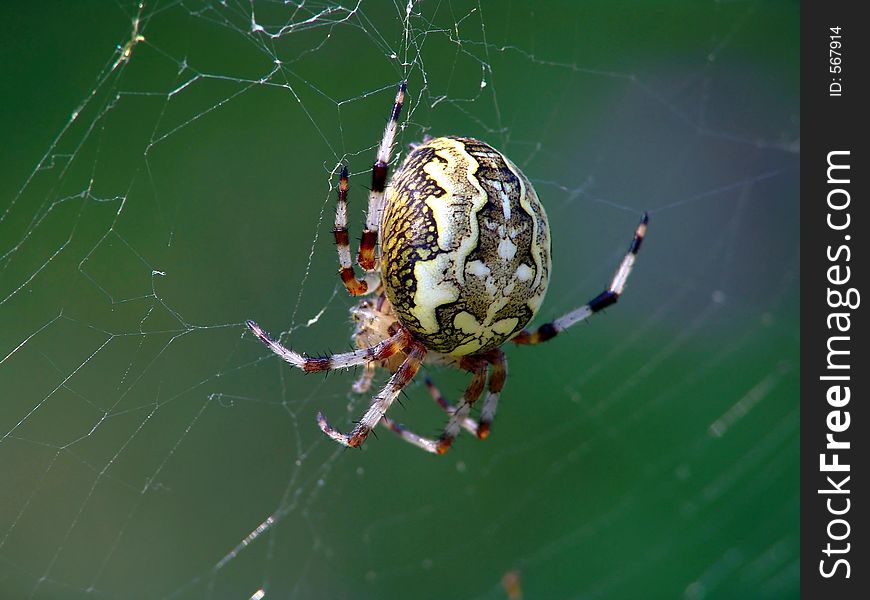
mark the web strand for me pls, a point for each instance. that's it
(189, 180)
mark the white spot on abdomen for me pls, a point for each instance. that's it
(477, 268)
(525, 272)
(507, 249)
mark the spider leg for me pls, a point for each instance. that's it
(468, 424)
(497, 377)
(548, 331)
(478, 367)
(496, 383)
(427, 444)
(380, 403)
(345, 360)
(355, 286)
(366, 257)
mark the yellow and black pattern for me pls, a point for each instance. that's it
(465, 246)
(464, 266)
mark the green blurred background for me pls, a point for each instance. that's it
(149, 206)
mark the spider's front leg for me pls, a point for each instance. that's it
(399, 341)
(310, 364)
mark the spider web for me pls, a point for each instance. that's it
(169, 171)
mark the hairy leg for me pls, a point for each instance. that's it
(380, 403)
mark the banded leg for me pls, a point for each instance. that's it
(366, 257)
(496, 383)
(468, 424)
(548, 331)
(345, 360)
(380, 403)
(355, 286)
(425, 443)
(458, 416)
(497, 377)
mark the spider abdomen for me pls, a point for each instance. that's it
(465, 246)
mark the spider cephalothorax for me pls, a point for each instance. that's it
(464, 265)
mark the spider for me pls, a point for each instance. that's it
(464, 265)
